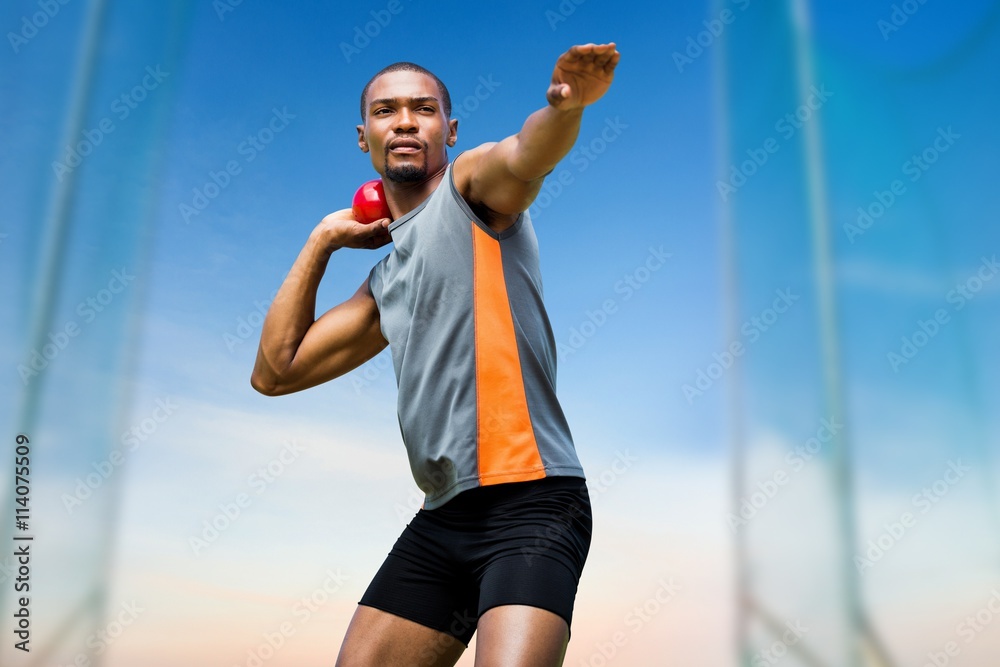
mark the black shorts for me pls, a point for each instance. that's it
(517, 543)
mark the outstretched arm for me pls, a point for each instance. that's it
(506, 176)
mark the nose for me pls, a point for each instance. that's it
(405, 120)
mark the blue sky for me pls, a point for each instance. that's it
(589, 240)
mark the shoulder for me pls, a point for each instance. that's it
(473, 186)
(464, 167)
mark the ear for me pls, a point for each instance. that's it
(452, 138)
(362, 144)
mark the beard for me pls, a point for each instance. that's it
(406, 173)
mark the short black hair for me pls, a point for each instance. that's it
(404, 66)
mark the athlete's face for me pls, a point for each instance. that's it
(405, 129)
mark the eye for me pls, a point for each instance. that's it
(426, 108)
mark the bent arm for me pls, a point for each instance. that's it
(296, 350)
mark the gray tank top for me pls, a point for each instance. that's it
(472, 348)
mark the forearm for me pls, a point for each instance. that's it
(546, 138)
(291, 313)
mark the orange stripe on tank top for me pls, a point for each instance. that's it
(507, 448)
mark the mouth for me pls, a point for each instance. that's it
(405, 146)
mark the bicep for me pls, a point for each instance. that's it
(343, 338)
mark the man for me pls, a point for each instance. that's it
(502, 537)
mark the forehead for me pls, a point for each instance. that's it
(403, 84)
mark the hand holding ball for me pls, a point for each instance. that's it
(369, 203)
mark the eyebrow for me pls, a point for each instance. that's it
(395, 100)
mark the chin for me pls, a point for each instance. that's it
(406, 173)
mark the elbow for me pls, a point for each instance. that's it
(268, 388)
(267, 379)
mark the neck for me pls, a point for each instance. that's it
(404, 197)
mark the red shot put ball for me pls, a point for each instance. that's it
(369, 203)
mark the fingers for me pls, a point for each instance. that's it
(602, 57)
(343, 231)
(595, 51)
(607, 66)
(558, 93)
(561, 91)
(379, 233)
(605, 57)
(342, 214)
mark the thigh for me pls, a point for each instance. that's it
(419, 584)
(376, 638)
(539, 542)
(521, 636)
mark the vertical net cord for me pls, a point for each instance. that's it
(731, 308)
(48, 275)
(858, 629)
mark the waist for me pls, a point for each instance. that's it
(519, 491)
